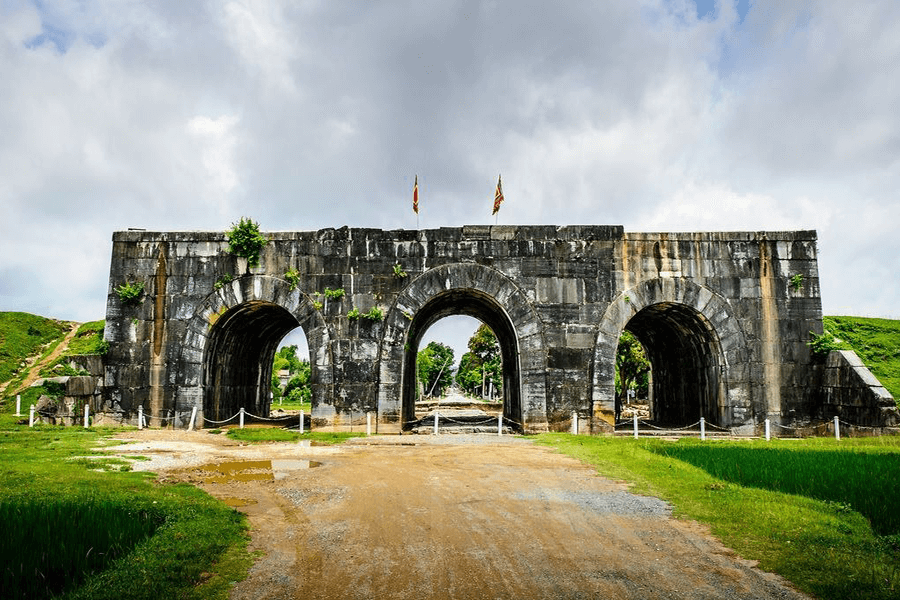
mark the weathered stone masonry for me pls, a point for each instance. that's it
(725, 328)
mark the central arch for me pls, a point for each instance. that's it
(474, 304)
(697, 351)
(477, 291)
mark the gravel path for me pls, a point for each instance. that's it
(449, 517)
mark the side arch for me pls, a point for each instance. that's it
(245, 320)
(475, 290)
(688, 309)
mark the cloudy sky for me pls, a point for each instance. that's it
(658, 115)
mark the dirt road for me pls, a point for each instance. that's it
(382, 518)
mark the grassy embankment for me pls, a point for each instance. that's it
(78, 524)
(823, 514)
(67, 506)
(876, 341)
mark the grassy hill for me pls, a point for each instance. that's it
(23, 335)
(876, 341)
(29, 342)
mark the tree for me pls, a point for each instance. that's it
(297, 389)
(434, 368)
(632, 368)
(481, 365)
(288, 355)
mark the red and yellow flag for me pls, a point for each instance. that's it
(498, 196)
(416, 196)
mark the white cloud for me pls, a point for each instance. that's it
(189, 115)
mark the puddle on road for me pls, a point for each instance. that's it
(249, 470)
(281, 467)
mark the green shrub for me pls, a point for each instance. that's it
(223, 281)
(334, 294)
(292, 276)
(353, 314)
(374, 314)
(821, 345)
(244, 239)
(130, 293)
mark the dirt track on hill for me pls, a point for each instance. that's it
(382, 518)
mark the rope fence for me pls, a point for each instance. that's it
(619, 425)
(437, 417)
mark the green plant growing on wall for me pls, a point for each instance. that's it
(353, 314)
(374, 314)
(797, 282)
(244, 239)
(399, 272)
(223, 281)
(292, 276)
(821, 345)
(317, 305)
(130, 293)
(334, 294)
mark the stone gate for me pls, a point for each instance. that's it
(725, 319)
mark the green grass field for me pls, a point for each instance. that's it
(818, 538)
(74, 542)
(876, 341)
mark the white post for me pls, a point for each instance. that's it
(768, 430)
(437, 416)
(86, 414)
(574, 423)
(301, 422)
(31, 416)
(702, 428)
(242, 417)
(837, 429)
(500, 424)
(369, 423)
(18, 405)
(193, 419)
(140, 416)
(635, 425)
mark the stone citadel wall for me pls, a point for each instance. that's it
(725, 318)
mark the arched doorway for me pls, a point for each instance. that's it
(238, 361)
(230, 341)
(480, 292)
(686, 363)
(474, 304)
(698, 353)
